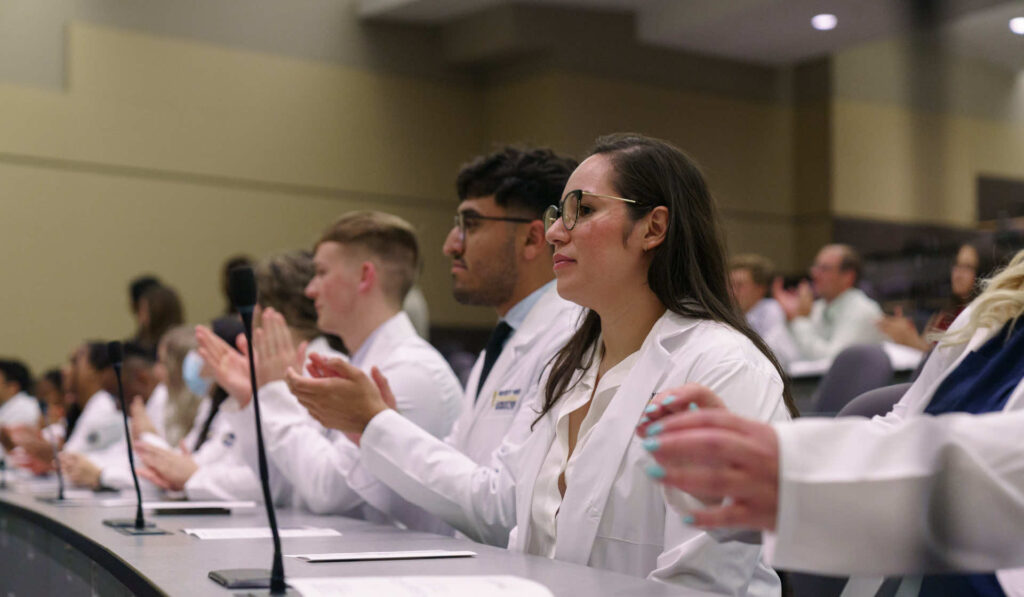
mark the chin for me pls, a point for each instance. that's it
(570, 292)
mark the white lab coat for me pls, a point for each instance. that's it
(115, 470)
(314, 463)
(20, 409)
(613, 516)
(98, 427)
(905, 493)
(458, 479)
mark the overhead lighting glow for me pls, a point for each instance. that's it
(824, 22)
(1017, 25)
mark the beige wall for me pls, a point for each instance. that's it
(166, 156)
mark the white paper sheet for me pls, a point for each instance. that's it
(259, 533)
(198, 505)
(420, 586)
(355, 556)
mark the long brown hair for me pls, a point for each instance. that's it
(688, 270)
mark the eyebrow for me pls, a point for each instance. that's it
(469, 212)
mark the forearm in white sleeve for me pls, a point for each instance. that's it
(937, 494)
(479, 501)
(229, 480)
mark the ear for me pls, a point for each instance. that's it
(367, 276)
(656, 229)
(535, 244)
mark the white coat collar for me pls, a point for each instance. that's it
(584, 502)
(385, 338)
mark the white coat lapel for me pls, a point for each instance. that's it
(977, 340)
(585, 499)
(530, 459)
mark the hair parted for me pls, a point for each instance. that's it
(387, 238)
(521, 180)
(687, 271)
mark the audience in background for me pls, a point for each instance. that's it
(750, 277)
(841, 316)
(159, 310)
(136, 288)
(50, 393)
(963, 278)
(17, 407)
(182, 404)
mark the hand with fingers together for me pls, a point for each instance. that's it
(167, 469)
(275, 350)
(230, 368)
(713, 454)
(80, 470)
(339, 395)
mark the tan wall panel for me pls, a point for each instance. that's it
(894, 164)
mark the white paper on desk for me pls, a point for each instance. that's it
(259, 533)
(355, 556)
(420, 586)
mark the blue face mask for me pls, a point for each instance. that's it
(190, 369)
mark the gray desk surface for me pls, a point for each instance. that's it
(177, 564)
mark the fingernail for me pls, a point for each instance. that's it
(655, 429)
(693, 406)
(651, 444)
(687, 519)
(644, 420)
(655, 471)
(651, 408)
(668, 400)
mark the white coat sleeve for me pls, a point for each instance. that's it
(935, 494)
(227, 479)
(727, 561)
(479, 501)
(300, 453)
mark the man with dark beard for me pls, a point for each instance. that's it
(499, 259)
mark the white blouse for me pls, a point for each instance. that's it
(547, 498)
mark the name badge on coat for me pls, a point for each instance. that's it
(505, 399)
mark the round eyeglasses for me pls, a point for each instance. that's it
(569, 208)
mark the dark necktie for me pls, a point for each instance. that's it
(498, 337)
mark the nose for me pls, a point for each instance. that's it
(310, 291)
(556, 234)
(453, 244)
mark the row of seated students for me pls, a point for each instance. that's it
(610, 286)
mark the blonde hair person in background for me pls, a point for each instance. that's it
(901, 494)
(182, 403)
(750, 277)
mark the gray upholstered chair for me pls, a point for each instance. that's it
(875, 402)
(854, 371)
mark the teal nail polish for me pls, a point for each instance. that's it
(651, 444)
(687, 519)
(655, 471)
(651, 408)
(644, 420)
(655, 429)
(693, 406)
(668, 400)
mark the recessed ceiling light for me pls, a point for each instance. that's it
(824, 22)
(1017, 25)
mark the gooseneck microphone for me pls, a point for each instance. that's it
(242, 291)
(138, 526)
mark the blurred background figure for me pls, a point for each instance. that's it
(750, 278)
(159, 309)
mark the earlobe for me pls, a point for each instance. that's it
(368, 276)
(535, 240)
(657, 228)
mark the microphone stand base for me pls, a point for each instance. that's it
(126, 526)
(247, 578)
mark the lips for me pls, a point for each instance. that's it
(458, 266)
(561, 261)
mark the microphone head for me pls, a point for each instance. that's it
(114, 353)
(242, 288)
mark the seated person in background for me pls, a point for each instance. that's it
(963, 277)
(636, 245)
(182, 404)
(136, 288)
(364, 264)
(207, 465)
(89, 378)
(903, 493)
(159, 310)
(749, 279)
(109, 467)
(841, 317)
(50, 392)
(17, 407)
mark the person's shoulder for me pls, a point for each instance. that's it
(713, 343)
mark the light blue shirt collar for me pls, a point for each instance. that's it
(360, 355)
(517, 314)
